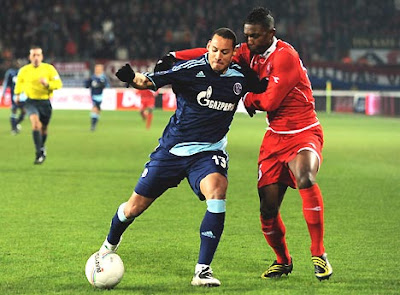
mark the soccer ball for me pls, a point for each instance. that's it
(104, 272)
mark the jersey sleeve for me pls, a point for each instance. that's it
(6, 82)
(178, 74)
(284, 77)
(241, 54)
(54, 79)
(88, 82)
(189, 53)
(108, 84)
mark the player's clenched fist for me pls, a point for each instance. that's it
(125, 74)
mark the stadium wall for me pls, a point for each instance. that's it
(386, 103)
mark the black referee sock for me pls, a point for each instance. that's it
(37, 140)
(13, 121)
(44, 137)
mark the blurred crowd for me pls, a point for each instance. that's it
(68, 30)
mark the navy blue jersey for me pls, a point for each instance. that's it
(206, 103)
(9, 80)
(97, 84)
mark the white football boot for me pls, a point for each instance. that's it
(107, 248)
(203, 276)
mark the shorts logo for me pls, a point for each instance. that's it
(145, 171)
(237, 88)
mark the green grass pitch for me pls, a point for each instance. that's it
(54, 216)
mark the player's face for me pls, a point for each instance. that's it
(220, 53)
(98, 70)
(36, 56)
(258, 38)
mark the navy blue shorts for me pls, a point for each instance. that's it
(165, 170)
(40, 107)
(97, 103)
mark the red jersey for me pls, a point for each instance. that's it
(288, 99)
(147, 99)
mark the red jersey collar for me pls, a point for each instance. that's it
(270, 49)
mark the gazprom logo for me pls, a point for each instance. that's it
(203, 99)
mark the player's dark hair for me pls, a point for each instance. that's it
(260, 16)
(226, 33)
(35, 47)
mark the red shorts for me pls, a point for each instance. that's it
(277, 150)
(147, 100)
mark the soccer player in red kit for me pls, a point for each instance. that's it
(290, 154)
(147, 106)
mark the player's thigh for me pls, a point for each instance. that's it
(31, 108)
(96, 104)
(158, 176)
(205, 164)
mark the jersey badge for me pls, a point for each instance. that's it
(237, 88)
(276, 79)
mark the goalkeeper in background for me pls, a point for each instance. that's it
(38, 80)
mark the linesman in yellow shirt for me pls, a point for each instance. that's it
(38, 80)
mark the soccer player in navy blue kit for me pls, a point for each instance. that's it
(192, 146)
(10, 78)
(97, 82)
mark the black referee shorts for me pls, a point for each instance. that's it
(40, 107)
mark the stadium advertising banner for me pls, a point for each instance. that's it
(113, 99)
(128, 100)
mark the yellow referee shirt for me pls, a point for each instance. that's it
(28, 81)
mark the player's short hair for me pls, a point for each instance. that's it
(260, 16)
(35, 47)
(226, 33)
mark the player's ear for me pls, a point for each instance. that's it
(208, 44)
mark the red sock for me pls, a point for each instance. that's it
(313, 210)
(148, 120)
(274, 232)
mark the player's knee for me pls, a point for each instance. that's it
(305, 180)
(216, 205)
(136, 205)
(269, 212)
(132, 210)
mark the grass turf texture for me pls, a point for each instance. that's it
(54, 216)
